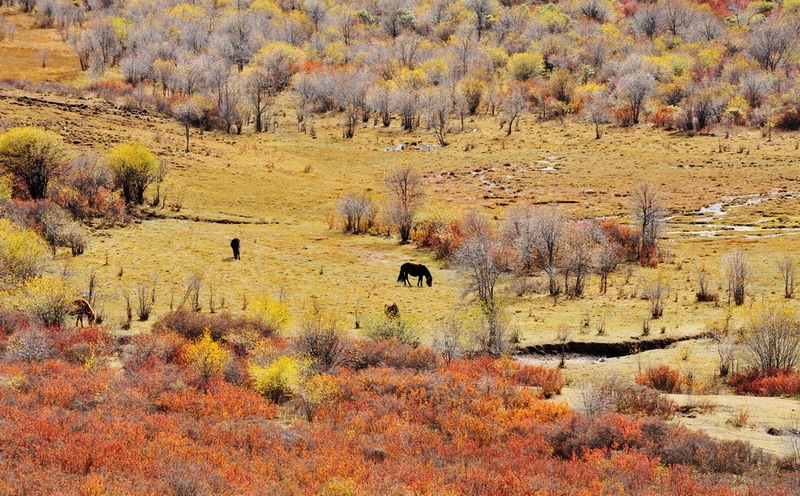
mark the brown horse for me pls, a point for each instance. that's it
(80, 307)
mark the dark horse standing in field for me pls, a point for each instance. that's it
(235, 248)
(414, 270)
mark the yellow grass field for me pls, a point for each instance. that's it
(276, 191)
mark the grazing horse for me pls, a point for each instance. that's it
(235, 248)
(80, 307)
(391, 310)
(414, 270)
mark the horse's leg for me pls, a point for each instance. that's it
(419, 281)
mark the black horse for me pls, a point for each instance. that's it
(235, 248)
(414, 270)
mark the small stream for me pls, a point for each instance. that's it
(715, 212)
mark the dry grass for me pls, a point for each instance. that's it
(276, 190)
(20, 57)
(255, 187)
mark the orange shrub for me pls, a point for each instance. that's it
(662, 378)
(550, 380)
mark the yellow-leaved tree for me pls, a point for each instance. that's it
(135, 167)
(34, 156)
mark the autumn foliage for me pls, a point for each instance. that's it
(199, 415)
(661, 377)
(766, 383)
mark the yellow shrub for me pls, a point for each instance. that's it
(524, 66)
(206, 357)
(45, 298)
(189, 12)
(339, 487)
(279, 49)
(5, 187)
(23, 253)
(273, 313)
(791, 5)
(282, 378)
(336, 53)
(33, 155)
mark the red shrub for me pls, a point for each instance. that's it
(192, 325)
(549, 379)
(624, 236)
(789, 119)
(442, 237)
(662, 378)
(766, 383)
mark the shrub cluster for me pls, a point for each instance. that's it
(74, 423)
(773, 382)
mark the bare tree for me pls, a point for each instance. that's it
(479, 258)
(43, 54)
(677, 15)
(649, 213)
(597, 110)
(449, 339)
(237, 39)
(607, 259)
(483, 10)
(656, 291)
(258, 92)
(737, 273)
(513, 104)
(188, 112)
(405, 102)
(647, 19)
(379, 101)
(406, 193)
(772, 339)
(321, 337)
(787, 269)
(703, 286)
(563, 334)
(754, 87)
(635, 89)
(351, 91)
(548, 233)
(577, 260)
(772, 44)
(438, 108)
(358, 212)
(396, 17)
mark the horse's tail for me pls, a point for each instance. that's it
(400, 276)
